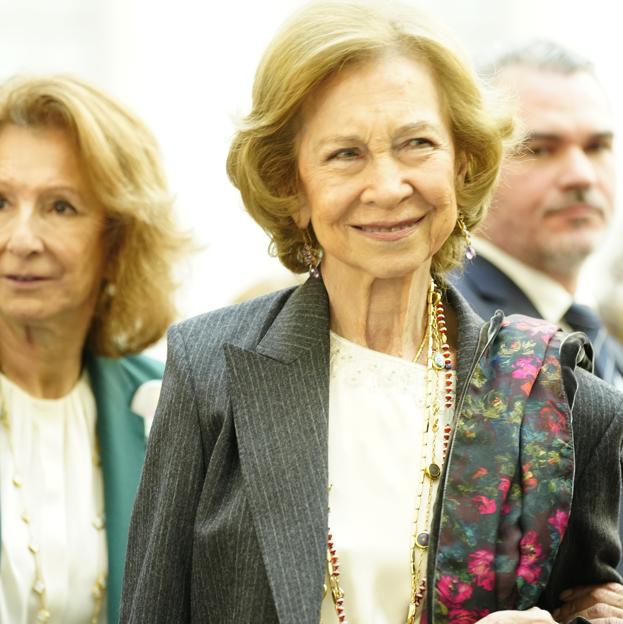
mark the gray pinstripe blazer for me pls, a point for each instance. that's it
(231, 517)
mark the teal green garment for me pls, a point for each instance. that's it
(121, 435)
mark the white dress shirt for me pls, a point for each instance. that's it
(376, 420)
(62, 491)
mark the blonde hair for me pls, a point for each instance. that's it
(315, 43)
(122, 165)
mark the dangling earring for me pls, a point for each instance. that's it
(470, 252)
(310, 255)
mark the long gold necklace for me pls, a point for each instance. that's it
(438, 371)
(39, 588)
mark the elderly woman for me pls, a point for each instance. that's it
(363, 447)
(87, 242)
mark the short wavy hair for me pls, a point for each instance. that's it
(122, 165)
(318, 41)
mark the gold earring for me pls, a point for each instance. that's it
(470, 252)
(310, 255)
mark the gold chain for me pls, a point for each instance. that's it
(39, 588)
(438, 359)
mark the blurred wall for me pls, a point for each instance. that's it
(187, 67)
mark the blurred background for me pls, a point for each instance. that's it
(186, 68)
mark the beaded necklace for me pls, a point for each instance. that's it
(39, 588)
(439, 378)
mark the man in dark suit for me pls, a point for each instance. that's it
(554, 200)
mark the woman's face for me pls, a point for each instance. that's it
(376, 164)
(52, 249)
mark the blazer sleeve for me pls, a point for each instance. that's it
(591, 548)
(159, 556)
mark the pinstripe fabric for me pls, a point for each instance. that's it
(230, 520)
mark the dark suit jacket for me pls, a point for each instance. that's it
(488, 289)
(230, 523)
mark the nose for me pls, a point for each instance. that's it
(21, 234)
(387, 184)
(578, 169)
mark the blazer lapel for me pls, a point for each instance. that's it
(280, 399)
(496, 288)
(121, 436)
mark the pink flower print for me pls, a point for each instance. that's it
(485, 505)
(504, 486)
(529, 566)
(452, 592)
(553, 419)
(464, 616)
(479, 564)
(534, 327)
(525, 368)
(559, 521)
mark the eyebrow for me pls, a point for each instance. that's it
(419, 126)
(59, 187)
(550, 136)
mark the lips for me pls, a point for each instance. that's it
(25, 280)
(385, 231)
(577, 210)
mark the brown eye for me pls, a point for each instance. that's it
(418, 142)
(62, 207)
(349, 153)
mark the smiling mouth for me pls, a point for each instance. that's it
(389, 231)
(394, 227)
(26, 278)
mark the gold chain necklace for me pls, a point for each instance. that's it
(39, 588)
(438, 368)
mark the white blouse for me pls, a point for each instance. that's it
(376, 429)
(53, 441)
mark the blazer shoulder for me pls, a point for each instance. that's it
(595, 391)
(597, 410)
(142, 367)
(130, 371)
(242, 324)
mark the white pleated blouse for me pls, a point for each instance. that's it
(53, 441)
(376, 431)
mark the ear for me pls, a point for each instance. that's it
(303, 215)
(461, 170)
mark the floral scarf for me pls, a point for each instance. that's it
(509, 478)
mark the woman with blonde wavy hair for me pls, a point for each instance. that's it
(87, 242)
(363, 447)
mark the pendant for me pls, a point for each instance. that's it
(422, 540)
(439, 362)
(433, 471)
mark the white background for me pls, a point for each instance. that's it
(186, 68)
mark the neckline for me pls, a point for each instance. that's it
(372, 353)
(16, 391)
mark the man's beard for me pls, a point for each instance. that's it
(565, 254)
